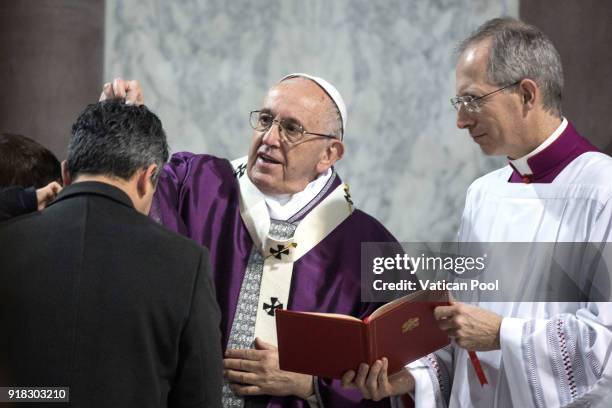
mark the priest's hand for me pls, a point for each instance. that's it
(374, 383)
(256, 372)
(473, 328)
(122, 89)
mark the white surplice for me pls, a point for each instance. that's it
(552, 354)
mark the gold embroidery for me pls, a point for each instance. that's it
(410, 324)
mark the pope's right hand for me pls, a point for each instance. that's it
(123, 89)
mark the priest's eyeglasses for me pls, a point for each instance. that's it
(290, 130)
(473, 104)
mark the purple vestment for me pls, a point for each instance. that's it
(198, 196)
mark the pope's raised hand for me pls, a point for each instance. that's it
(129, 90)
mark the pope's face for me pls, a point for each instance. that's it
(278, 167)
(496, 127)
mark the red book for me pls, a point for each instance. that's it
(327, 345)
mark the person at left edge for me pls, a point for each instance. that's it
(30, 175)
(17, 200)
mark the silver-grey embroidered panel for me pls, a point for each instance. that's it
(243, 326)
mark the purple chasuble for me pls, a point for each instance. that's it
(198, 196)
(547, 164)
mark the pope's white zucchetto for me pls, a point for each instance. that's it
(329, 90)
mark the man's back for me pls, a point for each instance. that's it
(97, 297)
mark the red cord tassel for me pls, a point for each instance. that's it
(478, 368)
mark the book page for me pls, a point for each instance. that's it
(333, 315)
(420, 296)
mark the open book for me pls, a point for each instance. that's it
(327, 345)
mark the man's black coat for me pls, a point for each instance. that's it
(98, 297)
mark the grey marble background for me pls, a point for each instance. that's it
(205, 64)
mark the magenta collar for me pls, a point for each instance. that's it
(548, 163)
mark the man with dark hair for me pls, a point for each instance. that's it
(99, 298)
(556, 188)
(283, 233)
(25, 163)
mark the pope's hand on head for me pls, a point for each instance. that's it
(123, 89)
(256, 372)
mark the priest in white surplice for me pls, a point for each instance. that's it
(557, 187)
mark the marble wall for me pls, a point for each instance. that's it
(205, 64)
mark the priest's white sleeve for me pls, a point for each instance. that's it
(433, 379)
(558, 361)
(564, 360)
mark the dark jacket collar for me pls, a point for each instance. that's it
(94, 188)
